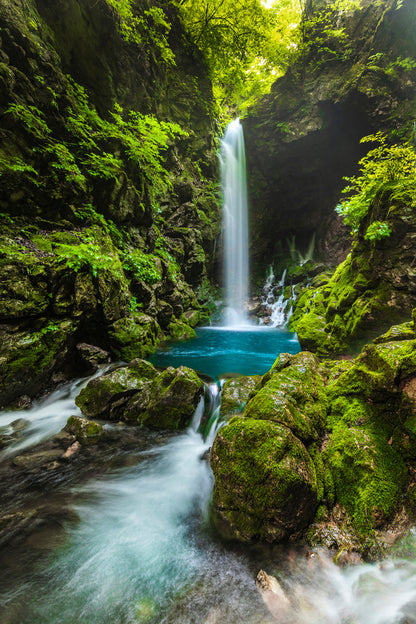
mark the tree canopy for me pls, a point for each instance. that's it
(247, 43)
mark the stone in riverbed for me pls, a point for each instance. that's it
(265, 481)
(139, 393)
(85, 431)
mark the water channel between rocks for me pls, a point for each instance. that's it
(143, 552)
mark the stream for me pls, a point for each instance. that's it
(142, 550)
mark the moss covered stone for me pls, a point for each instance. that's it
(138, 393)
(369, 475)
(107, 396)
(29, 357)
(235, 393)
(85, 431)
(265, 481)
(173, 398)
(134, 336)
(293, 395)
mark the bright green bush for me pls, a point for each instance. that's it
(386, 171)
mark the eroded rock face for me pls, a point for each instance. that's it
(304, 137)
(83, 258)
(372, 289)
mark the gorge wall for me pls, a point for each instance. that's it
(108, 211)
(351, 80)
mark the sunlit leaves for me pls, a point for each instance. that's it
(386, 169)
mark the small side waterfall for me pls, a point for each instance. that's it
(235, 224)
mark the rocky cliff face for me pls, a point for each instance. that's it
(353, 78)
(108, 210)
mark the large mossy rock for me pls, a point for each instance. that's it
(292, 395)
(267, 485)
(355, 421)
(106, 396)
(173, 398)
(139, 394)
(265, 481)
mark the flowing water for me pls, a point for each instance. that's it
(235, 224)
(142, 551)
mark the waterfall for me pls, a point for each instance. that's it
(273, 298)
(235, 224)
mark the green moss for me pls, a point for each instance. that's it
(30, 356)
(134, 336)
(369, 475)
(265, 481)
(235, 394)
(101, 396)
(293, 395)
(180, 330)
(85, 431)
(174, 396)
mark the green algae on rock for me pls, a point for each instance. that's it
(85, 431)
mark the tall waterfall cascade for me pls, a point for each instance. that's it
(235, 225)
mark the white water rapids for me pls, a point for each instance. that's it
(143, 553)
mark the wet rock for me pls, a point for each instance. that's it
(235, 393)
(265, 481)
(91, 357)
(85, 431)
(273, 596)
(107, 395)
(173, 398)
(71, 450)
(293, 395)
(29, 461)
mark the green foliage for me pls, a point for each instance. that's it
(377, 230)
(16, 165)
(321, 39)
(142, 137)
(385, 169)
(96, 147)
(148, 30)
(246, 44)
(143, 266)
(404, 63)
(86, 255)
(31, 117)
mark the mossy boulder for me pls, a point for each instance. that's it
(235, 393)
(138, 393)
(85, 431)
(107, 396)
(369, 474)
(174, 396)
(265, 481)
(293, 395)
